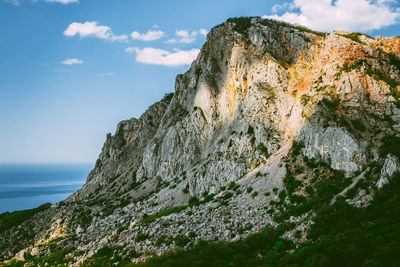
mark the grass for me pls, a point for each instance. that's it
(9, 220)
(305, 29)
(162, 213)
(355, 36)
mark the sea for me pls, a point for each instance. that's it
(26, 186)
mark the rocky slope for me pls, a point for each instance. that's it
(265, 105)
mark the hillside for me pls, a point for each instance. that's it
(277, 139)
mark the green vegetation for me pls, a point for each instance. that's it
(263, 149)
(162, 213)
(141, 237)
(394, 60)
(54, 259)
(255, 193)
(376, 74)
(181, 240)
(296, 147)
(331, 104)
(233, 186)
(107, 256)
(9, 220)
(242, 24)
(304, 29)
(342, 235)
(349, 66)
(250, 130)
(355, 36)
(391, 145)
(194, 201)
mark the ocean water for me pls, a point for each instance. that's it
(26, 186)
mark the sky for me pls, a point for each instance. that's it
(70, 70)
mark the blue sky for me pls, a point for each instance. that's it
(71, 70)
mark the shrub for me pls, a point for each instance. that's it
(391, 145)
(250, 130)
(194, 201)
(242, 24)
(192, 234)
(162, 213)
(263, 149)
(141, 237)
(227, 195)
(9, 220)
(181, 241)
(249, 189)
(296, 147)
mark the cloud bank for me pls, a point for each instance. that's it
(186, 37)
(71, 61)
(156, 56)
(328, 15)
(148, 36)
(91, 29)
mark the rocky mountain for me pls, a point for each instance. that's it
(271, 122)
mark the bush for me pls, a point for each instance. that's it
(9, 220)
(141, 237)
(162, 213)
(181, 241)
(263, 149)
(242, 24)
(391, 145)
(194, 201)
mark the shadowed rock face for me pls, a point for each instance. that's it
(256, 86)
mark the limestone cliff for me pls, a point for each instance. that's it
(221, 144)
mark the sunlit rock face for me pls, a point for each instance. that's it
(257, 87)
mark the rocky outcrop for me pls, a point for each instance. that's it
(210, 160)
(334, 145)
(390, 167)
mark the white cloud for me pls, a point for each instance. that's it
(203, 32)
(63, 1)
(186, 37)
(71, 61)
(327, 15)
(277, 7)
(156, 56)
(130, 50)
(107, 74)
(91, 29)
(148, 36)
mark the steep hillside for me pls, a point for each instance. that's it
(271, 127)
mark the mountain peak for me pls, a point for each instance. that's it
(268, 114)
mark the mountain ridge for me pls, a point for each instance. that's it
(236, 147)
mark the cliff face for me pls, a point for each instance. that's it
(257, 87)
